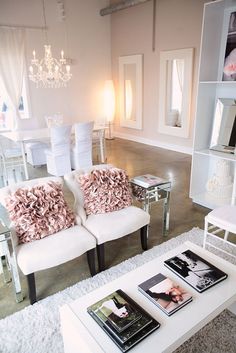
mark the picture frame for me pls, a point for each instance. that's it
(229, 67)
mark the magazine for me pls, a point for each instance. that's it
(194, 270)
(115, 309)
(147, 180)
(166, 294)
(134, 332)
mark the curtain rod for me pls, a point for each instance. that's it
(19, 26)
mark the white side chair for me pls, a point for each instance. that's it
(52, 250)
(81, 151)
(58, 157)
(218, 221)
(107, 226)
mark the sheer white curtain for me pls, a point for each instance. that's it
(12, 47)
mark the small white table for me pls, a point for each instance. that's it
(81, 334)
(41, 134)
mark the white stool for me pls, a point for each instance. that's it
(35, 153)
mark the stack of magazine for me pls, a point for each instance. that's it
(148, 180)
(124, 321)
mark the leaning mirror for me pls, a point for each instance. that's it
(130, 82)
(175, 91)
(223, 137)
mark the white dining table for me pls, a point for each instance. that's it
(23, 136)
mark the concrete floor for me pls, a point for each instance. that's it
(136, 159)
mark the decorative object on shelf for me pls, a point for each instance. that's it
(229, 71)
(223, 136)
(48, 71)
(175, 91)
(109, 106)
(131, 96)
(220, 186)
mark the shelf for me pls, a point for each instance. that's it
(206, 200)
(216, 154)
(218, 82)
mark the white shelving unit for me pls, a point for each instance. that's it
(210, 88)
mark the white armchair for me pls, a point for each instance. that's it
(58, 157)
(81, 151)
(52, 250)
(107, 226)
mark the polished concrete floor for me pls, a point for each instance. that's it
(136, 159)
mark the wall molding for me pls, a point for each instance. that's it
(167, 146)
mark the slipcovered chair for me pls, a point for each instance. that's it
(81, 151)
(58, 157)
(111, 225)
(52, 250)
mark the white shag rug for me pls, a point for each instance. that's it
(36, 329)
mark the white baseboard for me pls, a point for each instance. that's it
(167, 146)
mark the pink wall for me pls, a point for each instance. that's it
(178, 25)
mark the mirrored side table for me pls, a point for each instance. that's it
(152, 194)
(8, 264)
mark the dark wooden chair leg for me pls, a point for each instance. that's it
(144, 238)
(31, 288)
(101, 257)
(91, 261)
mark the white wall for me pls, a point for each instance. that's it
(178, 25)
(88, 45)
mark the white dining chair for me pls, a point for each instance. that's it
(11, 159)
(81, 151)
(58, 156)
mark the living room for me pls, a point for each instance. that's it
(100, 47)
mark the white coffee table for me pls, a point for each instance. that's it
(81, 334)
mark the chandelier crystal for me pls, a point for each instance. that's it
(48, 71)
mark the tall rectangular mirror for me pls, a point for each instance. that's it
(175, 91)
(130, 83)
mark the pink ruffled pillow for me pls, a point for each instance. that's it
(39, 211)
(105, 190)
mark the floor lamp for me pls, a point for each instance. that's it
(109, 106)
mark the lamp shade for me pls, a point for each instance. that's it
(109, 100)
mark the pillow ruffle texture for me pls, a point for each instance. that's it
(39, 211)
(105, 190)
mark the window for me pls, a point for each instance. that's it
(6, 117)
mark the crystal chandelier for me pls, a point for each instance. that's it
(48, 71)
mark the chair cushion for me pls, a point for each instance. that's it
(223, 217)
(39, 211)
(114, 225)
(105, 190)
(54, 250)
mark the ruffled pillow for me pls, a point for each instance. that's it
(39, 211)
(105, 190)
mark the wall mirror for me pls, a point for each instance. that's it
(175, 91)
(223, 136)
(131, 97)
